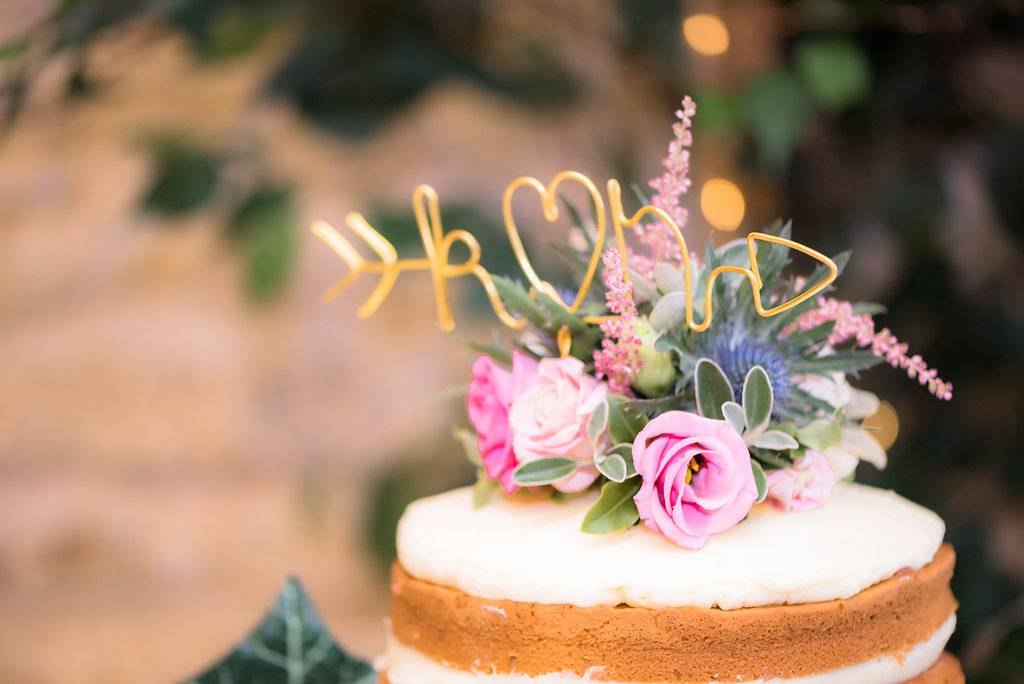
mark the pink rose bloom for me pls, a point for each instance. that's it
(806, 485)
(697, 479)
(491, 392)
(550, 419)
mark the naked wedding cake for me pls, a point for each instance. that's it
(665, 465)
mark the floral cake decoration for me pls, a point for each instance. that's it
(684, 426)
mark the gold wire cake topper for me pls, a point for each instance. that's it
(437, 245)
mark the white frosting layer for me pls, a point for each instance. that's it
(408, 666)
(535, 552)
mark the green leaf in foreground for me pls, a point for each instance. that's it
(543, 471)
(623, 423)
(290, 646)
(757, 399)
(713, 389)
(483, 490)
(760, 480)
(614, 509)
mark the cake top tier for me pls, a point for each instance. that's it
(533, 551)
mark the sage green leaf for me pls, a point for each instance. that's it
(517, 299)
(483, 490)
(819, 434)
(760, 481)
(290, 646)
(842, 362)
(623, 424)
(543, 471)
(669, 312)
(625, 451)
(757, 399)
(733, 413)
(868, 309)
(712, 387)
(612, 466)
(614, 509)
(776, 440)
(598, 423)
(469, 445)
(643, 288)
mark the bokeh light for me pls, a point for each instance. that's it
(885, 425)
(706, 34)
(722, 203)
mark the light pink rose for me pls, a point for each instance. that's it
(491, 392)
(550, 419)
(697, 479)
(805, 486)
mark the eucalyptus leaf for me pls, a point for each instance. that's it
(758, 399)
(712, 388)
(483, 490)
(614, 509)
(612, 466)
(760, 480)
(669, 312)
(469, 445)
(733, 413)
(597, 424)
(290, 646)
(543, 471)
(819, 434)
(669, 278)
(623, 424)
(775, 440)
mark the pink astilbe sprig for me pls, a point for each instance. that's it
(861, 329)
(618, 359)
(670, 186)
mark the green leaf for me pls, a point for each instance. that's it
(643, 288)
(819, 434)
(835, 70)
(775, 440)
(850, 361)
(625, 452)
(290, 646)
(468, 441)
(801, 396)
(669, 312)
(598, 423)
(815, 335)
(773, 459)
(483, 490)
(267, 224)
(623, 424)
(758, 399)
(733, 413)
(517, 299)
(543, 471)
(186, 176)
(669, 278)
(712, 387)
(868, 309)
(612, 466)
(614, 509)
(760, 480)
(558, 315)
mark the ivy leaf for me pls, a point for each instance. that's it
(712, 387)
(483, 490)
(290, 646)
(623, 424)
(543, 471)
(469, 444)
(760, 481)
(612, 466)
(758, 399)
(614, 509)
(733, 413)
(819, 434)
(776, 440)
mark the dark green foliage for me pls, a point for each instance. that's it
(290, 646)
(265, 223)
(185, 176)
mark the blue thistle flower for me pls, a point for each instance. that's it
(736, 352)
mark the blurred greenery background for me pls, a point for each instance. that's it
(183, 423)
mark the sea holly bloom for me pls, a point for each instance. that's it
(804, 486)
(491, 392)
(697, 478)
(549, 419)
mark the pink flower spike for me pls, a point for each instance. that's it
(618, 359)
(672, 184)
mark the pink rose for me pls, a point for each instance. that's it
(550, 419)
(806, 485)
(491, 392)
(697, 479)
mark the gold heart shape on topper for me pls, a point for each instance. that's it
(752, 240)
(549, 203)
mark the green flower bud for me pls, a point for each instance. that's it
(658, 371)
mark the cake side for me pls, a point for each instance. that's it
(534, 552)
